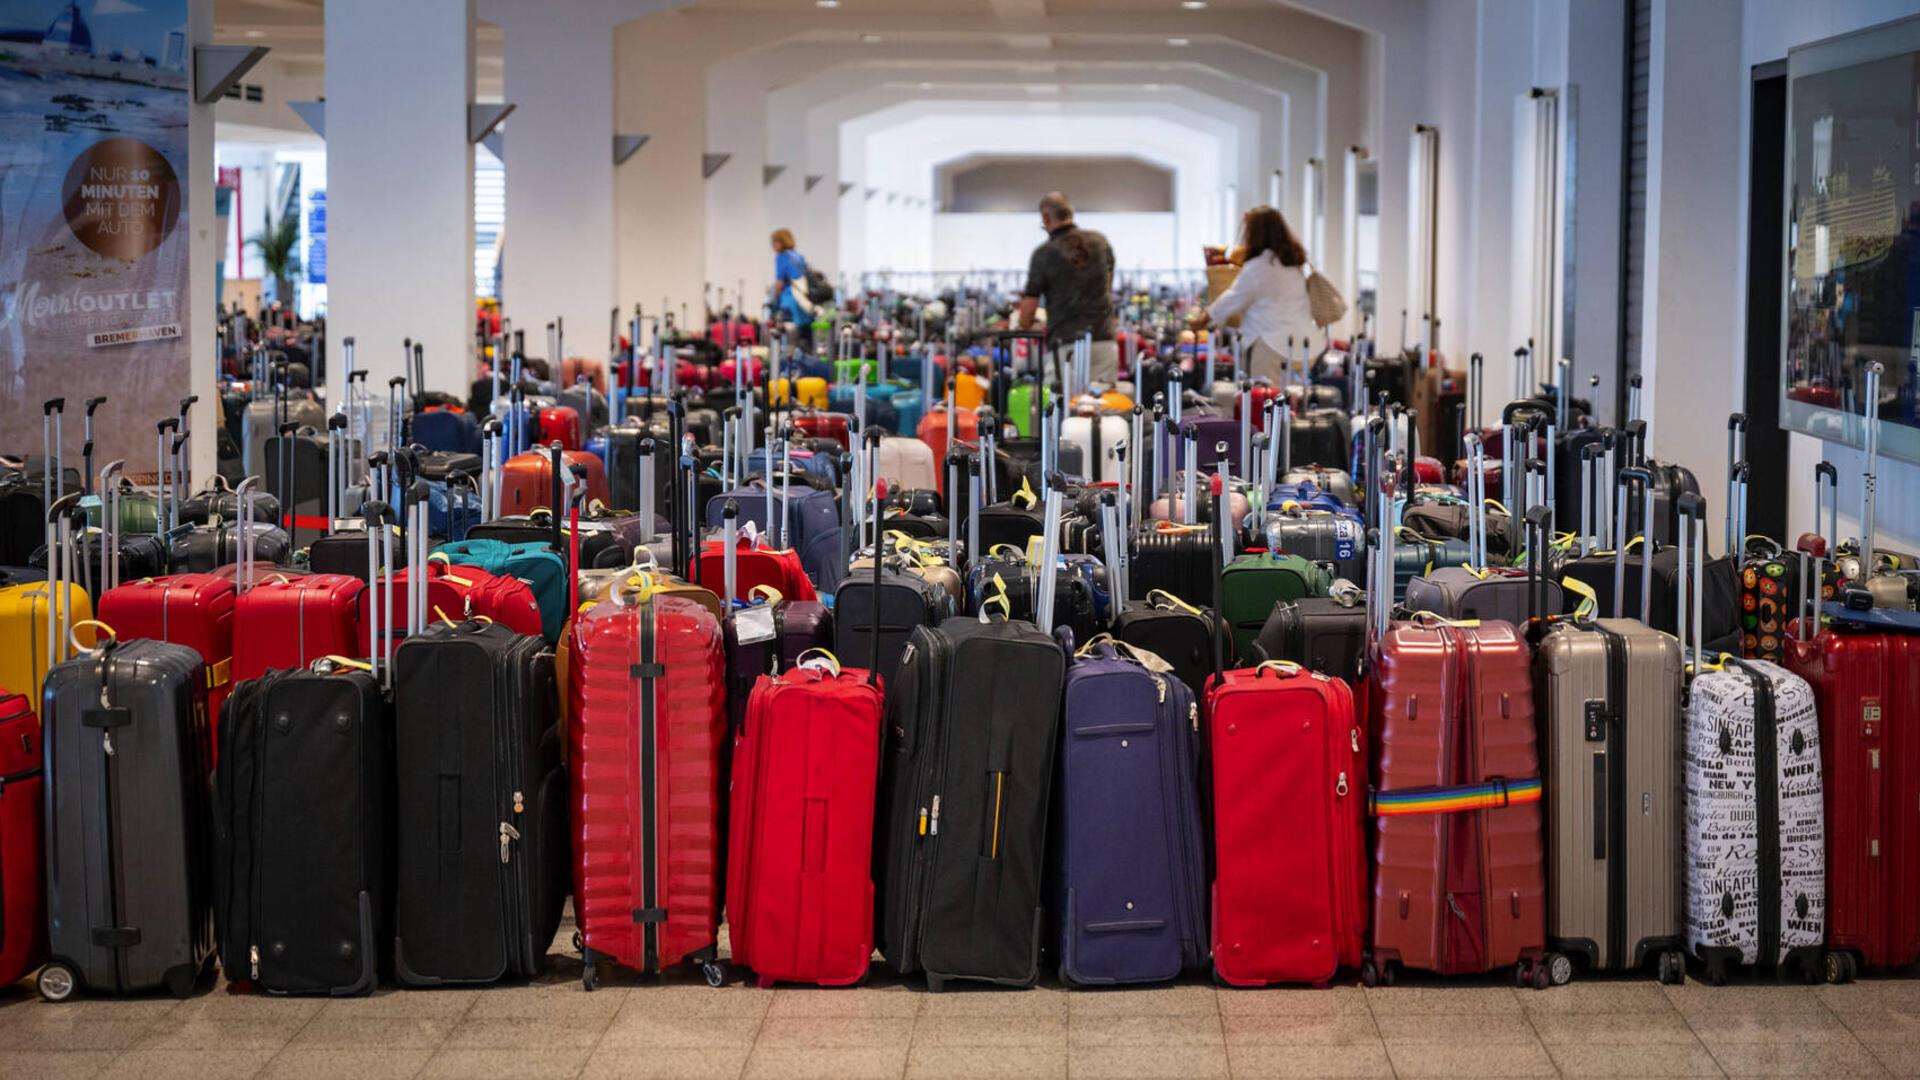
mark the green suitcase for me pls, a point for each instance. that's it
(1252, 584)
(1020, 407)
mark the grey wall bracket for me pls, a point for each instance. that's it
(770, 173)
(710, 164)
(217, 67)
(313, 114)
(482, 119)
(813, 180)
(625, 146)
(845, 186)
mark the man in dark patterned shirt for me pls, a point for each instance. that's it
(1073, 272)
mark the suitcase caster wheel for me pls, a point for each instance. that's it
(1716, 975)
(1812, 971)
(935, 984)
(1542, 977)
(579, 942)
(1673, 968)
(1841, 968)
(1523, 975)
(715, 973)
(56, 982)
(590, 978)
(179, 982)
(1369, 974)
(1559, 969)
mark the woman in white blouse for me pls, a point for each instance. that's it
(1269, 295)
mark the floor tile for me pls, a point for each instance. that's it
(1697, 998)
(1806, 1057)
(926, 1062)
(1767, 1027)
(667, 999)
(1040, 1001)
(228, 1033)
(245, 1007)
(32, 1032)
(653, 1063)
(521, 1063)
(333, 1029)
(894, 1001)
(1633, 1059)
(1331, 1030)
(827, 1063)
(998, 1031)
(1425, 1058)
(1441, 1000)
(1899, 1057)
(508, 1032)
(1145, 1031)
(649, 1033)
(1614, 1028)
(1161, 1001)
(812, 1031)
(1587, 998)
(555, 1001)
(53, 1064)
(382, 1063)
(1146, 1062)
(449, 1005)
(1293, 1001)
(1362, 1059)
(212, 1061)
(1462, 1027)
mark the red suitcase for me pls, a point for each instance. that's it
(23, 886)
(823, 425)
(1263, 393)
(1285, 746)
(455, 593)
(527, 480)
(195, 610)
(1459, 885)
(1868, 689)
(756, 371)
(644, 759)
(291, 622)
(800, 863)
(755, 565)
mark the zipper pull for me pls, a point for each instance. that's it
(508, 834)
(106, 741)
(923, 821)
(253, 959)
(1354, 736)
(1193, 716)
(1161, 685)
(519, 803)
(1340, 786)
(1454, 906)
(933, 824)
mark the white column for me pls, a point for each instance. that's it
(203, 253)
(400, 185)
(559, 250)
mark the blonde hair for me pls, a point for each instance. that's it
(783, 239)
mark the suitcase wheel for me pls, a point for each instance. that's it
(1559, 968)
(56, 981)
(715, 973)
(1673, 967)
(935, 984)
(579, 942)
(1841, 968)
(179, 981)
(1373, 973)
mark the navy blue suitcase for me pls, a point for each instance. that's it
(813, 527)
(445, 430)
(1132, 885)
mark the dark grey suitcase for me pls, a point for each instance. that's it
(128, 867)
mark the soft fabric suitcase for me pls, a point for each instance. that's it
(23, 885)
(1288, 766)
(128, 884)
(800, 861)
(1252, 584)
(445, 430)
(1324, 634)
(481, 847)
(644, 759)
(766, 637)
(303, 832)
(1458, 881)
(1187, 637)
(906, 601)
(756, 566)
(967, 770)
(1131, 892)
(290, 622)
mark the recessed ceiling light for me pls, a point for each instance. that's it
(256, 33)
(1178, 42)
(826, 3)
(926, 86)
(1152, 86)
(1194, 5)
(870, 39)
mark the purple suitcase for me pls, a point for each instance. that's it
(766, 639)
(1209, 432)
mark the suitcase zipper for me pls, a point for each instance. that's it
(1766, 764)
(920, 898)
(1616, 823)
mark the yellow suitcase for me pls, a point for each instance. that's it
(24, 615)
(812, 391)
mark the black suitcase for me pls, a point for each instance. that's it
(907, 601)
(223, 503)
(1009, 524)
(303, 832)
(129, 882)
(201, 549)
(1184, 635)
(973, 722)
(141, 555)
(481, 851)
(1178, 561)
(1320, 437)
(1319, 633)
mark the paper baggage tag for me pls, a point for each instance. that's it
(1346, 538)
(753, 624)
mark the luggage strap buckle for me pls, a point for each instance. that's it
(116, 937)
(646, 671)
(107, 716)
(1455, 798)
(650, 915)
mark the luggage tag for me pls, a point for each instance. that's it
(1346, 538)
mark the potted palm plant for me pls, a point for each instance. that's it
(279, 248)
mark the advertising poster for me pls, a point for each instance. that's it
(94, 98)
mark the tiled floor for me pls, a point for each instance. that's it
(681, 1028)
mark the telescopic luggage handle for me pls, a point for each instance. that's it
(1692, 565)
(61, 515)
(1736, 453)
(1869, 473)
(86, 447)
(1628, 478)
(110, 525)
(729, 536)
(1539, 523)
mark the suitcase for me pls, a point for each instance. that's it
(36, 617)
(1103, 440)
(1285, 746)
(303, 832)
(1130, 857)
(575, 368)
(1187, 637)
(756, 566)
(1078, 601)
(528, 479)
(1252, 584)
(934, 431)
(812, 527)
(128, 882)
(1178, 559)
(966, 779)
(909, 463)
(1334, 481)
(23, 885)
(200, 549)
(1332, 539)
(289, 622)
(195, 610)
(800, 868)
(1609, 697)
(536, 564)
(644, 761)
(906, 601)
(1323, 634)
(482, 805)
(815, 424)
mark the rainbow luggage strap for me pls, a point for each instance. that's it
(1490, 795)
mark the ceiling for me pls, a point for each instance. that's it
(295, 32)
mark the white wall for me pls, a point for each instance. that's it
(1005, 241)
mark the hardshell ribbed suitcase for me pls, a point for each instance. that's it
(800, 858)
(1131, 894)
(25, 611)
(644, 757)
(1609, 692)
(973, 722)
(195, 610)
(1458, 884)
(481, 847)
(303, 832)
(23, 883)
(1867, 687)
(1756, 830)
(128, 875)
(1289, 904)
(291, 622)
